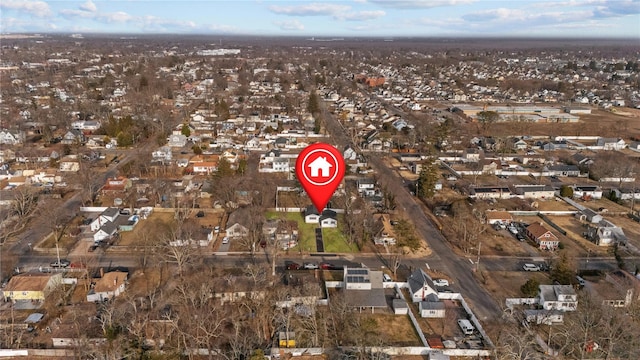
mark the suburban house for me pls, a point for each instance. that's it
(73, 137)
(177, 140)
(283, 232)
(383, 231)
(363, 288)
(557, 297)
(109, 286)
(192, 234)
(563, 170)
(589, 215)
(162, 154)
(420, 285)
(606, 233)
(519, 144)
(611, 143)
(626, 193)
(587, 192)
(498, 217)
(329, 218)
(106, 231)
(431, 307)
(236, 231)
(534, 191)
(545, 239)
(109, 215)
(490, 192)
(237, 223)
(116, 184)
(30, 287)
(366, 186)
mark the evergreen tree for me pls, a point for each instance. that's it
(313, 106)
(566, 191)
(224, 168)
(530, 288)
(426, 183)
(186, 131)
(562, 271)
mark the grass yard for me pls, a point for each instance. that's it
(396, 330)
(154, 225)
(334, 239)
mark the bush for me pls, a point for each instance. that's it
(530, 288)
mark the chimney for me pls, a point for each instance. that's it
(101, 272)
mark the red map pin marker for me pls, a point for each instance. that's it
(320, 169)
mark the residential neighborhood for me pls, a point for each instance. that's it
(150, 204)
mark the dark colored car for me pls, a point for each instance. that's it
(329, 266)
(290, 265)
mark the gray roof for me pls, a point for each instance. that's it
(366, 298)
(111, 212)
(418, 280)
(432, 305)
(399, 304)
(109, 228)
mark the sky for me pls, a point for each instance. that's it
(359, 18)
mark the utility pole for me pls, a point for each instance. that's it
(478, 260)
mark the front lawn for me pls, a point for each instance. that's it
(334, 239)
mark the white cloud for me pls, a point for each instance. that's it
(116, 17)
(289, 25)
(419, 4)
(11, 24)
(360, 15)
(313, 9)
(33, 8)
(88, 6)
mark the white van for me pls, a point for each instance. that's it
(465, 326)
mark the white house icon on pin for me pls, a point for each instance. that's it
(320, 164)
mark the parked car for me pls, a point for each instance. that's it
(290, 265)
(62, 264)
(327, 266)
(530, 267)
(225, 240)
(520, 237)
(440, 282)
(513, 229)
(311, 266)
(386, 278)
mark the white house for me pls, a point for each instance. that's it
(236, 231)
(162, 154)
(11, 137)
(108, 215)
(106, 231)
(420, 286)
(534, 191)
(109, 286)
(177, 140)
(557, 297)
(432, 307)
(328, 218)
(611, 143)
(584, 191)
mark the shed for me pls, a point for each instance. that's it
(400, 307)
